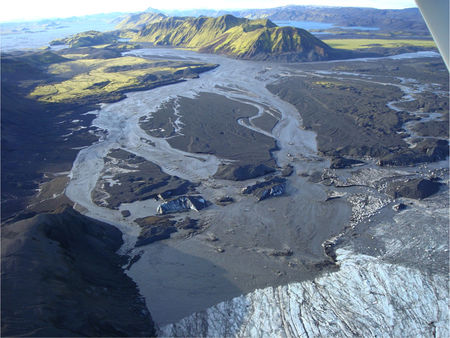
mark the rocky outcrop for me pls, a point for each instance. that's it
(343, 163)
(270, 188)
(182, 203)
(417, 188)
(428, 150)
(188, 224)
(126, 213)
(225, 200)
(154, 229)
(287, 171)
(242, 172)
(399, 207)
(157, 228)
(332, 195)
(61, 276)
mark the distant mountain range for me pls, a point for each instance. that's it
(385, 19)
(242, 38)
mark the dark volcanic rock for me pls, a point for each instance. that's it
(225, 200)
(287, 171)
(343, 163)
(281, 253)
(187, 223)
(154, 229)
(435, 150)
(315, 177)
(182, 203)
(242, 172)
(428, 150)
(417, 188)
(270, 188)
(125, 213)
(61, 276)
(399, 207)
(134, 259)
(154, 234)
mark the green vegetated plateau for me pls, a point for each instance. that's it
(237, 37)
(88, 38)
(355, 44)
(82, 78)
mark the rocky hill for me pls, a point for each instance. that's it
(238, 37)
(89, 38)
(61, 276)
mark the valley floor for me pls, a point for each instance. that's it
(250, 245)
(311, 198)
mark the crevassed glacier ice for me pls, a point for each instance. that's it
(365, 297)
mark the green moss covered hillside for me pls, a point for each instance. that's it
(238, 37)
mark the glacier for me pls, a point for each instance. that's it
(365, 297)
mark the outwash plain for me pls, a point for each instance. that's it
(250, 244)
(245, 192)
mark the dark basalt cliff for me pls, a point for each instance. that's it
(61, 276)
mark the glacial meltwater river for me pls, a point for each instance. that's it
(181, 276)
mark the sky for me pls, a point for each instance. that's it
(15, 10)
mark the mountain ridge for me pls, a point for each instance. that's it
(241, 38)
(407, 18)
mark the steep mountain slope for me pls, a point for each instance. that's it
(265, 40)
(237, 37)
(61, 276)
(188, 32)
